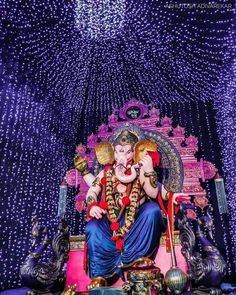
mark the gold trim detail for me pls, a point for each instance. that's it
(77, 242)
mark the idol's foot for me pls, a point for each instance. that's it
(97, 282)
(143, 262)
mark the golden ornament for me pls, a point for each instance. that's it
(142, 147)
(176, 280)
(104, 153)
(81, 165)
(97, 283)
(70, 291)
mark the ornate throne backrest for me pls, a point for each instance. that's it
(182, 170)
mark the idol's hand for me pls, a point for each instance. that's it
(147, 164)
(179, 198)
(96, 212)
(81, 165)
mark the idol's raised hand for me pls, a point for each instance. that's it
(147, 164)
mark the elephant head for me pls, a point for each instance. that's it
(120, 154)
(124, 154)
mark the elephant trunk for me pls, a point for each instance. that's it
(122, 177)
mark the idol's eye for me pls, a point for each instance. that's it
(129, 151)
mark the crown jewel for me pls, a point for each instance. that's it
(126, 137)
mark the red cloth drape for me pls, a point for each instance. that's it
(170, 212)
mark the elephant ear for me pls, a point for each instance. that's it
(104, 153)
(142, 147)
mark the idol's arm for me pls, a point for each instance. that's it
(94, 209)
(149, 183)
(94, 189)
(148, 177)
(89, 179)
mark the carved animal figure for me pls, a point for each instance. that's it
(209, 268)
(38, 275)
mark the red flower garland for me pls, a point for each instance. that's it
(114, 226)
(120, 232)
(103, 204)
(115, 238)
(103, 181)
(126, 201)
(119, 244)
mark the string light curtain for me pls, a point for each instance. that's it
(225, 106)
(66, 64)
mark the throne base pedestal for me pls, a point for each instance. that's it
(144, 282)
(76, 274)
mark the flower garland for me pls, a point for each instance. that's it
(130, 203)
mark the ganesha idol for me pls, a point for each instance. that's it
(125, 222)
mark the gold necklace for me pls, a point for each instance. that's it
(130, 208)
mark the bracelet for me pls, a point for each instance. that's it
(96, 182)
(148, 174)
(90, 200)
(152, 178)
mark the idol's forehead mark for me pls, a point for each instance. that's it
(126, 147)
